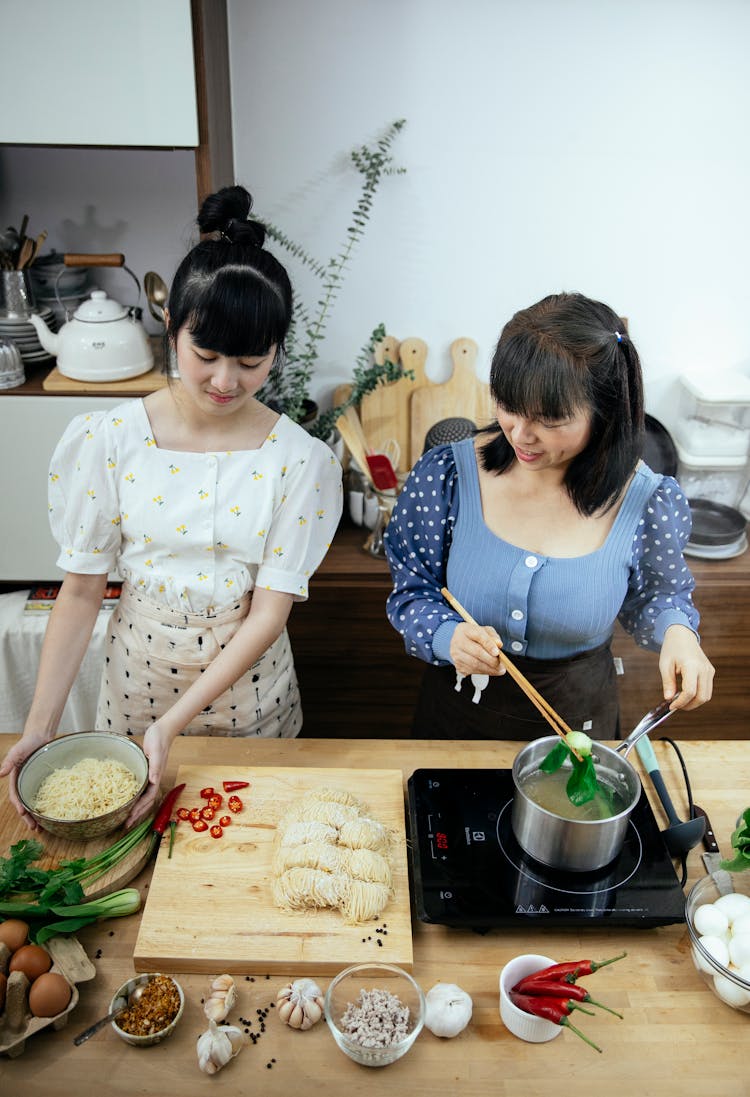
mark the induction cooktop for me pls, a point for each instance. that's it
(468, 870)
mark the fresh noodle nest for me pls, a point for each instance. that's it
(91, 787)
(330, 854)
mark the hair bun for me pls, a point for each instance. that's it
(227, 212)
(244, 232)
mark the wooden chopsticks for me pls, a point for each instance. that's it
(556, 722)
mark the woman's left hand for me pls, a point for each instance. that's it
(682, 657)
(156, 748)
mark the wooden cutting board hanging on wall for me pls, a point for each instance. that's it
(462, 395)
(385, 412)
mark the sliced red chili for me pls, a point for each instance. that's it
(206, 792)
(194, 814)
(232, 786)
(216, 832)
(234, 804)
(183, 813)
(207, 813)
(200, 825)
(215, 801)
(225, 820)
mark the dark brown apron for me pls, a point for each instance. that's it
(582, 690)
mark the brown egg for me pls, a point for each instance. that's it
(49, 995)
(14, 933)
(3, 985)
(32, 960)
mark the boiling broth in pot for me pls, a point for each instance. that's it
(548, 790)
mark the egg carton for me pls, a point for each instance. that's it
(68, 959)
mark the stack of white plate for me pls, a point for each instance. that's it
(22, 332)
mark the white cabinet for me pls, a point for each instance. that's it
(98, 72)
(30, 427)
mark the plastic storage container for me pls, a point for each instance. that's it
(714, 415)
(718, 478)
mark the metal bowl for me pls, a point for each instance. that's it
(62, 753)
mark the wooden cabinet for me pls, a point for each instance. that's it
(357, 681)
(104, 73)
(122, 75)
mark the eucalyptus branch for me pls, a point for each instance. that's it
(288, 388)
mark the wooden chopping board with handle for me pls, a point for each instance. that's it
(210, 908)
(462, 395)
(145, 382)
(13, 829)
(385, 412)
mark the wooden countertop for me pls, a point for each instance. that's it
(676, 1036)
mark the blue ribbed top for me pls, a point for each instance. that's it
(542, 606)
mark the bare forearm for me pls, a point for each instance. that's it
(67, 637)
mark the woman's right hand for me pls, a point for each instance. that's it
(475, 649)
(13, 761)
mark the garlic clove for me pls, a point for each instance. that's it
(218, 1045)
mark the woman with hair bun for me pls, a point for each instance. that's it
(547, 527)
(215, 510)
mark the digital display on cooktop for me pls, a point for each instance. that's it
(469, 871)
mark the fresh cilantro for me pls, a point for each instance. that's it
(16, 874)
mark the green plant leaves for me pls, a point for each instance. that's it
(582, 784)
(741, 846)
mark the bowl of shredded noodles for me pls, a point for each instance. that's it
(83, 785)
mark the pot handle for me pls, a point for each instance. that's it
(113, 260)
(643, 727)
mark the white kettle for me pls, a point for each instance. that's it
(103, 341)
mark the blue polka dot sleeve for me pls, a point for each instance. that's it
(661, 584)
(417, 542)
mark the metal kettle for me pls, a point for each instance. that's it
(103, 340)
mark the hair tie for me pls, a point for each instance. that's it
(618, 337)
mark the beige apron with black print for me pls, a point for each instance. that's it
(154, 653)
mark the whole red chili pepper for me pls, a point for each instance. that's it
(551, 1009)
(551, 989)
(572, 970)
(232, 786)
(164, 813)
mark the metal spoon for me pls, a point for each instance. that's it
(133, 997)
(157, 294)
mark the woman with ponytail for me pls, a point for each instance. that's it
(215, 510)
(547, 527)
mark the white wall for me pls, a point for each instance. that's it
(595, 145)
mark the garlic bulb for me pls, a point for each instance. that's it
(448, 1009)
(218, 1045)
(300, 1004)
(221, 998)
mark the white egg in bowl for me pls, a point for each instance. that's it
(717, 912)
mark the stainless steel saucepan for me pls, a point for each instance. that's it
(579, 845)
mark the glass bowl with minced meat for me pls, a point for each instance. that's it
(375, 1012)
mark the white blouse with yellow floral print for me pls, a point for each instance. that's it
(192, 530)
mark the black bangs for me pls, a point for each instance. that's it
(235, 311)
(537, 380)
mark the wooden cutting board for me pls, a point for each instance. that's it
(385, 412)
(462, 395)
(146, 382)
(209, 908)
(13, 829)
